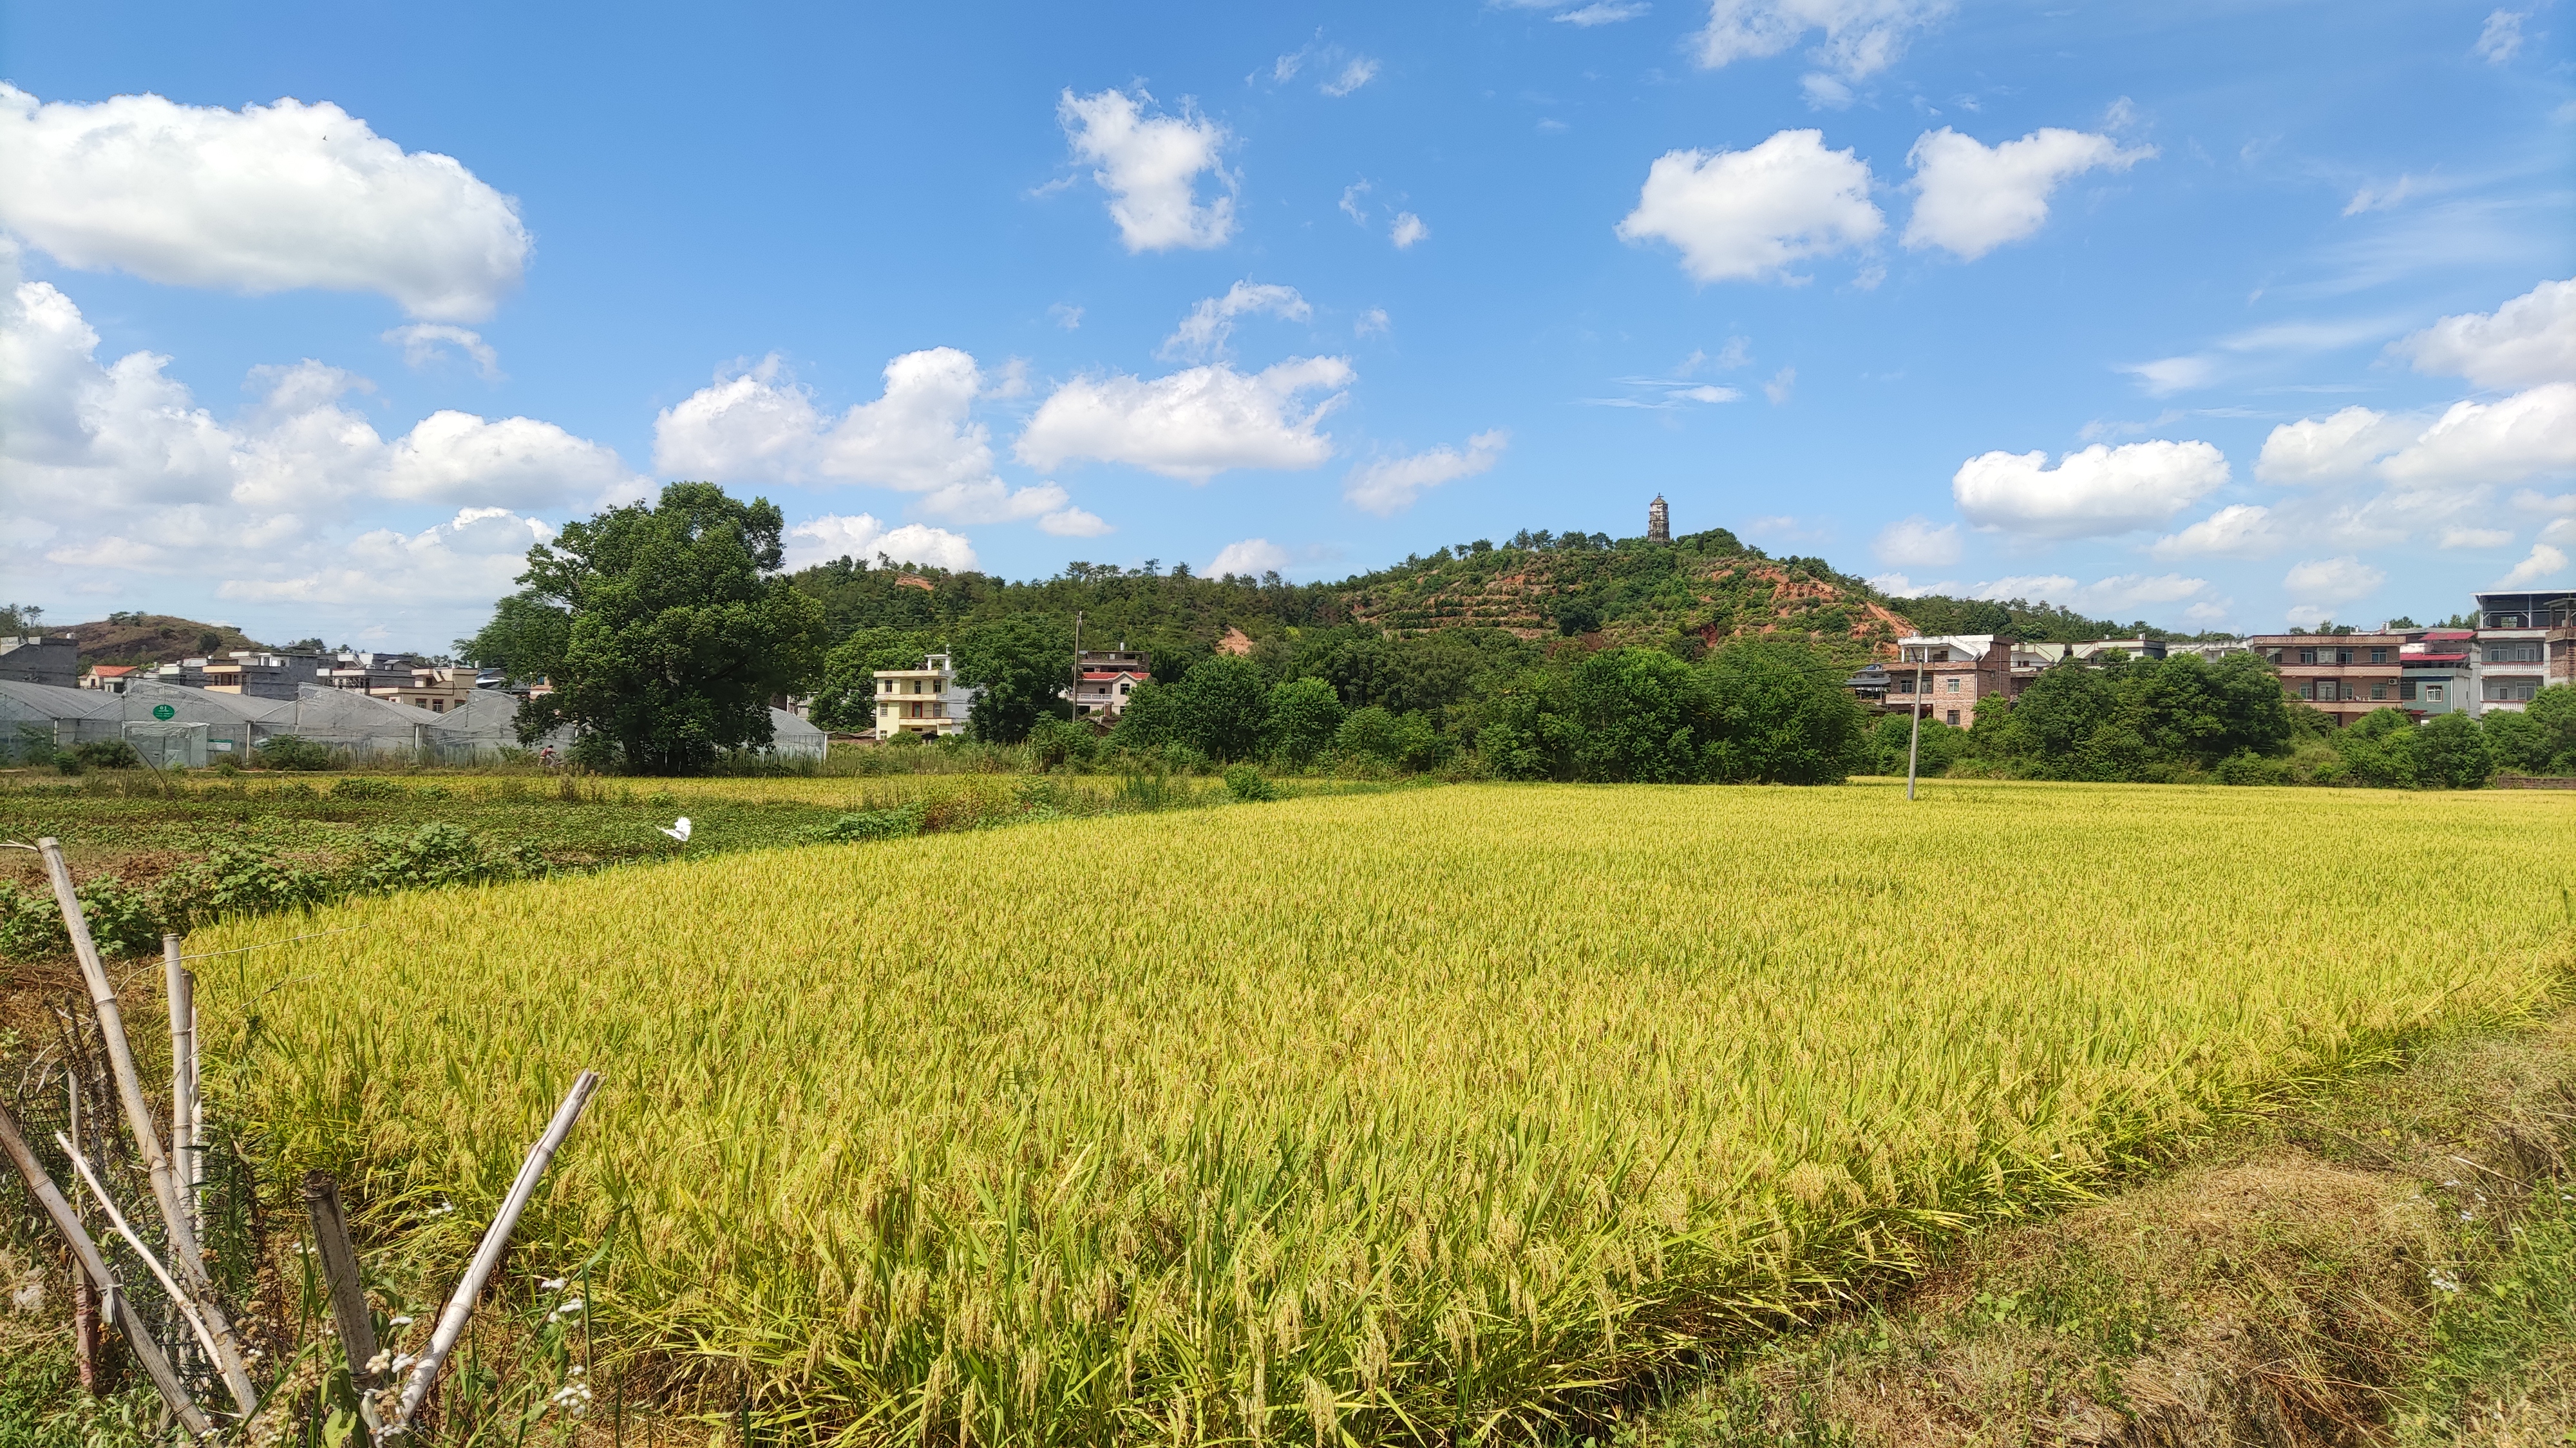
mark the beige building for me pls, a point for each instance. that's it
(927, 701)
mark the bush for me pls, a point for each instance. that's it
(1404, 741)
(108, 754)
(2247, 767)
(1246, 784)
(436, 854)
(2451, 751)
(880, 824)
(367, 787)
(1054, 743)
(286, 751)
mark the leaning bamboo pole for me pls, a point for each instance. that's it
(469, 1289)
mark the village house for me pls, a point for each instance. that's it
(1105, 678)
(927, 701)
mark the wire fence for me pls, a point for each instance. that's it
(60, 1090)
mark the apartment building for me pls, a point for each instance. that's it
(2343, 675)
(927, 701)
(2525, 643)
(2438, 673)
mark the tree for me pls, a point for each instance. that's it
(1782, 713)
(2516, 740)
(1222, 706)
(2450, 751)
(665, 628)
(1406, 741)
(846, 699)
(1024, 665)
(1304, 713)
(1645, 717)
(1151, 718)
(2554, 710)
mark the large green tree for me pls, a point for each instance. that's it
(665, 628)
(1024, 665)
(1783, 715)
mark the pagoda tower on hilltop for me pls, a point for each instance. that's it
(1659, 521)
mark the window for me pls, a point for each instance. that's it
(2432, 693)
(1126, 688)
(2379, 691)
(2378, 656)
(1954, 717)
(2511, 691)
(2406, 692)
(2343, 656)
(1954, 683)
(2307, 656)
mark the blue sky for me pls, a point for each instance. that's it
(2220, 315)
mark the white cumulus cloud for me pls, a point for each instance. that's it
(863, 536)
(120, 485)
(1915, 543)
(1749, 215)
(1150, 167)
(1860, 37)
(1971, 198)
(2329, 449)
(919, 437)
(1192, 424)
(264, 199)
(2239, 530)
(2328, 581)
(2541, 564)
(1407, 230)
(2527, 341)
(1252, 557)
(1204, 331)
(1388, 486)
(2531, 434)
(2099, 491)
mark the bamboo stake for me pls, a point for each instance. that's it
(190, 1265)
(340, 1277)
(179, 988)
(138, 1337)
(451, 1323)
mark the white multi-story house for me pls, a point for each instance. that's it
(927, 701)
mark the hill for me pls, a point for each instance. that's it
(1690, 594)
(152, 638)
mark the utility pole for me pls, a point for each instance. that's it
(1914, 738)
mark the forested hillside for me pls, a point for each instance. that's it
(1686, 596)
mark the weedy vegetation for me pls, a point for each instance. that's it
(1468, 1113)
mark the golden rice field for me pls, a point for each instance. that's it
(1428, 1115)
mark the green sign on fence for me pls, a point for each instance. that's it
(163, 711)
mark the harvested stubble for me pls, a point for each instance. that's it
(1429, 1115)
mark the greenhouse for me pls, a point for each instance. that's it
(172, 724)
(38, 719)
(483, 729)
(361, 725)
(794, 738)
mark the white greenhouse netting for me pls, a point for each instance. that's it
(481, 728)
(360, 724)
(793, 738)
(224, 726)
(36, 719)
